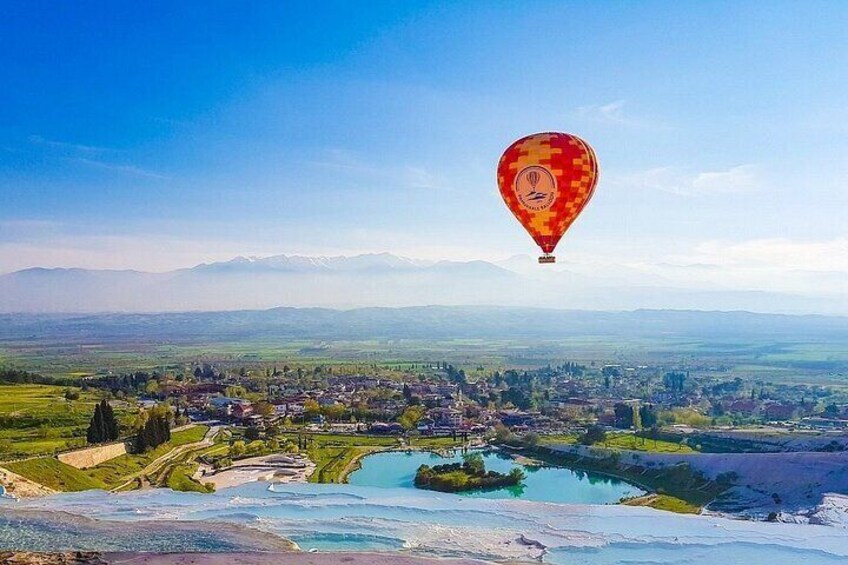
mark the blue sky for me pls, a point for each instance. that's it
(156, 135)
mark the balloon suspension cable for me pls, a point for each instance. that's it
(547, 258)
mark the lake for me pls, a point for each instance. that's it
(396, 469)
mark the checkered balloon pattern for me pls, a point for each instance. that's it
(573, 169)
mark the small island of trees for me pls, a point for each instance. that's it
(471, 474)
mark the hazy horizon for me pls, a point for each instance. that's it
(384, 279)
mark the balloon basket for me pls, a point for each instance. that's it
(547, 258)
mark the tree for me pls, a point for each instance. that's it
(264, 408)
(674, 381)
(96, 430)
(647, 415)
(530, 439)
(103, 425)
(311, 408)
(236, 391)
(623, 415)
(251, 433)
(410, 417)
(473, 463)
(334, 412)
(155, 431)
(593, 435)
(502, 434)
(238, 449)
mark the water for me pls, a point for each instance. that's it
(542, 484)
(362, 518)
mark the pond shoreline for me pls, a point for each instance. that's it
(547, 482)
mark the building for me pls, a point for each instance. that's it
(446, 417)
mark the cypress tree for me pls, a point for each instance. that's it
(153, 431)
(158, 434)
(141, 444)
(104, 434)
(95, 426)
(111, 430)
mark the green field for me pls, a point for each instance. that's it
(38, 420)
(52, 473)
(664, 502)
(333, 454)
(624, 441)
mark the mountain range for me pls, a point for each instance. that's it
(370, 280)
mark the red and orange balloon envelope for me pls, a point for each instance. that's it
(546, 179)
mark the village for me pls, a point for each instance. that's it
(440, 399)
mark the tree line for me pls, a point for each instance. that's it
(17, 376)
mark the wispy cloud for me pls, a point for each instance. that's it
(738, 179)
(76, 147)
(612, 113)
(119, 168)
(91, 156)
(412, 176)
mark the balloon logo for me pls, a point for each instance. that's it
(546, 179)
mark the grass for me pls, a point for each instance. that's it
(179, 478)
(53, 473)
(116, 471)
(335, 455)
(434, 442)
(629, 442)
(635, 443)
(191, 435)
(38, 420)
(664, 502)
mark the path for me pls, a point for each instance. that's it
(159, 462)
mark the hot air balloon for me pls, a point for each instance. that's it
(546, 179)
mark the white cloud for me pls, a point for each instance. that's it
(738, 179)
(612, 113)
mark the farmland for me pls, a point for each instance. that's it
(40, 420)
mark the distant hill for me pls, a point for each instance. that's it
(373, 280)
(427, 323)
